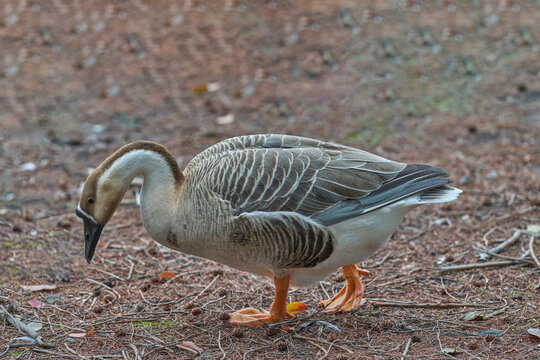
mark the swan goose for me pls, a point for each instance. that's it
(287, 207)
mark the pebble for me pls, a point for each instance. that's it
(464, 180)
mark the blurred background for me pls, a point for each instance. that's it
(449, 83)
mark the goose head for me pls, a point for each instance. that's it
(106, 185)
(100, 197)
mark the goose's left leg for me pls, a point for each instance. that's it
(351, 295)
(278, 311)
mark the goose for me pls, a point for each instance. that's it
(286, 207)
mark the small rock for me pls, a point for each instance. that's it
(51, 299)
(11, 71)
(113, 91)
(464, 180)
(492, 174)
(29, 166)
(177, 20)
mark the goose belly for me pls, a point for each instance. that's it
(355, 240)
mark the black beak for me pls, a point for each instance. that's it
(92, 231)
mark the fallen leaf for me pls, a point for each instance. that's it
(447, 350)
(51, 299)
(296, 307)
(36, 303)
(225, 120)
(191, 345)
(285, 328)
(101, 243)
(203, 88)
(80, 335)
(166, 275)
(77, 335)
(38, 287)
(473, 316)
(35, 326)
(26, 339)
(535, 228)
(534, 332)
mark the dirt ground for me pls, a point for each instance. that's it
(449, 83)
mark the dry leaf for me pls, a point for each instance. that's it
(80, 335)
(473, 316)
(36, 303)
(203, 88)
(166, 275)
(448, 350)
(38, 287)
(296, 307)
(225, 120)
(534, 333)
(191, 345)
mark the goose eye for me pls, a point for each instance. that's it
(91, 200)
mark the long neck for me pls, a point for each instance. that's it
(159, 192)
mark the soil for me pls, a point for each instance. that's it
(448, 83)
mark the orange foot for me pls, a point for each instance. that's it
(251, 316)
(351, 295)
(278, 311)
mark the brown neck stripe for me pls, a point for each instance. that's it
(150, 146)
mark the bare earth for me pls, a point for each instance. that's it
(449, 83)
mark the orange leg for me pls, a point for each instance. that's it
(351, 294)
(278, 311)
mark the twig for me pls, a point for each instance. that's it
(495, 313)
(19, 325)
(406, 348)
(425, 305)
(74, 352)
(520, 212)
(105, 286)
(134, 348)
(206, 288)
(487, 234)
(219, 344)
(319, 346)
(489, 254)
(379, 263)
(323, 289)
(212, 301)
(478, 265)
(531, 249)
(440, 344)
(296, 336)
(111, 274)
(131, 266)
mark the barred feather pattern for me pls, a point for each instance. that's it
(276, 184)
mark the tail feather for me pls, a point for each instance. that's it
(439, 195)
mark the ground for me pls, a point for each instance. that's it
(449, 83)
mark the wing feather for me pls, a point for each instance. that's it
(289, 173)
